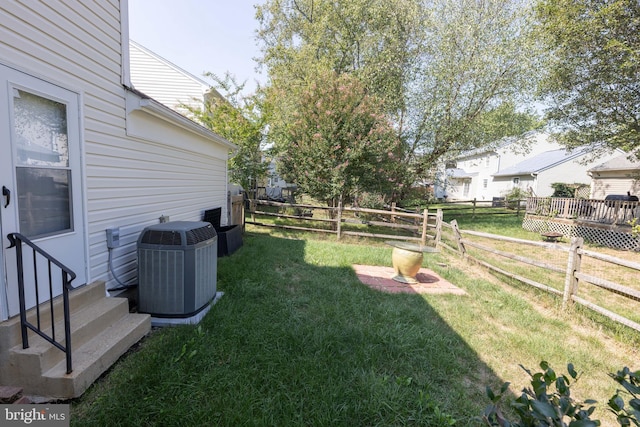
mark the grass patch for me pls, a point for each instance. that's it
(297, 340)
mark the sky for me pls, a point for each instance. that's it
(200, 35)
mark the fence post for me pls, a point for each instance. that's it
(393, 209)
(473, 214)
(339, 219)
(573, 266)
(518, 207)
(252, 209)
(425, 220)
(458, 236)
(439, 217)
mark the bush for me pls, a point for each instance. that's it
(548, 401)
(369, 201)
(514, 196)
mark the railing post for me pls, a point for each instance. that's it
(67, 315)
(439, 220)
(339, 220)
(567, 203)
(425, 220)
(458, 236)
(573, 266)
(23, 309)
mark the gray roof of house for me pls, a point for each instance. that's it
(541, 162)
(617, 163)
(496, 145)
(459, 173)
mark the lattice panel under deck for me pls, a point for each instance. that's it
(609, 238)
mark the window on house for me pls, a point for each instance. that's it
(487, 160)
(516, 182)
(485, 183)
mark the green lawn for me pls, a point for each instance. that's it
(298, 340)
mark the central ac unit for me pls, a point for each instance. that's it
(177, 268)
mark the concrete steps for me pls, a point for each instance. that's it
(102, 329)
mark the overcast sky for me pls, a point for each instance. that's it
(200, 35)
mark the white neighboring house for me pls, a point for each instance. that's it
(493, 172)
(83, 152)
(536, 174)
(616, 176)
(471, 174)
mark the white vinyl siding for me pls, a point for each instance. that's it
(603, 186)
(129, 181)
(163, 81)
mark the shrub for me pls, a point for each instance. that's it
(548, 401)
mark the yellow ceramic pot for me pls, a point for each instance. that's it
(406, 265)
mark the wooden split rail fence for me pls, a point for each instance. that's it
(574, 277)
(421, 227)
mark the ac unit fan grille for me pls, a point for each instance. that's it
(174, 238)
(162, 237)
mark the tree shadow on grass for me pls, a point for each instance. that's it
(298, 340)
(344, 353)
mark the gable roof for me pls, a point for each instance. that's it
(499, 144)
(541, 162)
(617, 163)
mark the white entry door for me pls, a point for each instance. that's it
(41, 180)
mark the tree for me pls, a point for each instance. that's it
(478, 65)
(444, 70)
(241, 120)
(593, 82)
(340, 143)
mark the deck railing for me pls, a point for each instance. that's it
(614, 212)
(17, 240)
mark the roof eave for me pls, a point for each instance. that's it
(161, 111)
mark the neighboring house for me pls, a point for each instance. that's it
(83, 152)
(531, 163)
(470, 175)
(616, 176)
(536, 174)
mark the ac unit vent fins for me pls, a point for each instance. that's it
(201, 234)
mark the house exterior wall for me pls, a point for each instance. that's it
(485, 163)
(571, 172)
(163, 81)
(615, 182)
(129, 180)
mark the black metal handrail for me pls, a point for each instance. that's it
(16, 240)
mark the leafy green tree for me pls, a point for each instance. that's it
(241, 119)
(340, 143)
(450, 74)
(593, 83)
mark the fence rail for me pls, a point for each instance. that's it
(423, 226)
(575, 278)
(614, 212)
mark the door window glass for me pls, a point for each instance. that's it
(43, 175)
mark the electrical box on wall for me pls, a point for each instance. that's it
(113, 237)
